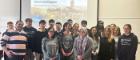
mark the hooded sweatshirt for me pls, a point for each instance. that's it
(127, 47)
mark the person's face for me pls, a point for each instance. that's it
(67, 27)
(10, 26)
(126, 29)
(42, 25)
(58, 26)
(50, 33)
(116, 32)
(76, 27)
(29, 23)
(70, 22)
(113, 27)
(84, 25)
(51, 24)
(19, 25)
(82, 33)
(94, 30)
(107, 32)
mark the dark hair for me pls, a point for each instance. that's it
(51, 21)
(42, 21)
(129, 25)
(65, 24)
(58, 23)
(69, 20)
(83, 22)
(18, 21)
(10, 22)
(28, 19)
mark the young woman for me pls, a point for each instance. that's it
(127, 45)
(66, 44)
(107, 46)
(75, 30)
(50, 46)
(116, 35)
(83, 45)
(96, 38)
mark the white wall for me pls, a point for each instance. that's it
(121, 12)
(9, 8)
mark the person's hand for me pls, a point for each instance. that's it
(54, 58)
(94, 53)
(79, 57)
(9, 53)
(63, 52)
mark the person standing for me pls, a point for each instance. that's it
(83, 45)
(66, 43)
(30, 30)
(14, 43)
(127, 45)
(37, 43)
(50, 46)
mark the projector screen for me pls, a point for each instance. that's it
(60, 10)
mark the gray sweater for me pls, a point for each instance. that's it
(84, 47)
(50, 48)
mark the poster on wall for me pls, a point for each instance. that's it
(60, 10)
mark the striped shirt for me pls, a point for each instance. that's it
(15, 41)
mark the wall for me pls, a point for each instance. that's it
(121, 12)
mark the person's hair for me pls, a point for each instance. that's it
(118, 29)
(75, 25)
(69, 20)
(65, 24)
(51, 21)
(42, 21)
(113, 25)
(108, 29)
(84, 30)
(28, 19)
(58, 23)
(129, 25)
(84, 22)
(10, 22)
(18, 21)
(92, 28)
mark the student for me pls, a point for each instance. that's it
(93, 34)
(127, 45)
(50, 46)
(51, 23)
(75, 30)
(70, 21)
(37, 43)
(100, 28)
(59, 29)
(30, 30)
(107, 46)
(14, 43)
(10, 27)
(83, 45)
(116, 36)
(66, 44)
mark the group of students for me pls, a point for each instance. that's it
(68, 42)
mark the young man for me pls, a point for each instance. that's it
(58, 29)
(41, 33)
(14, 43)
(127, 45)
(30, 30)
(51, 23)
